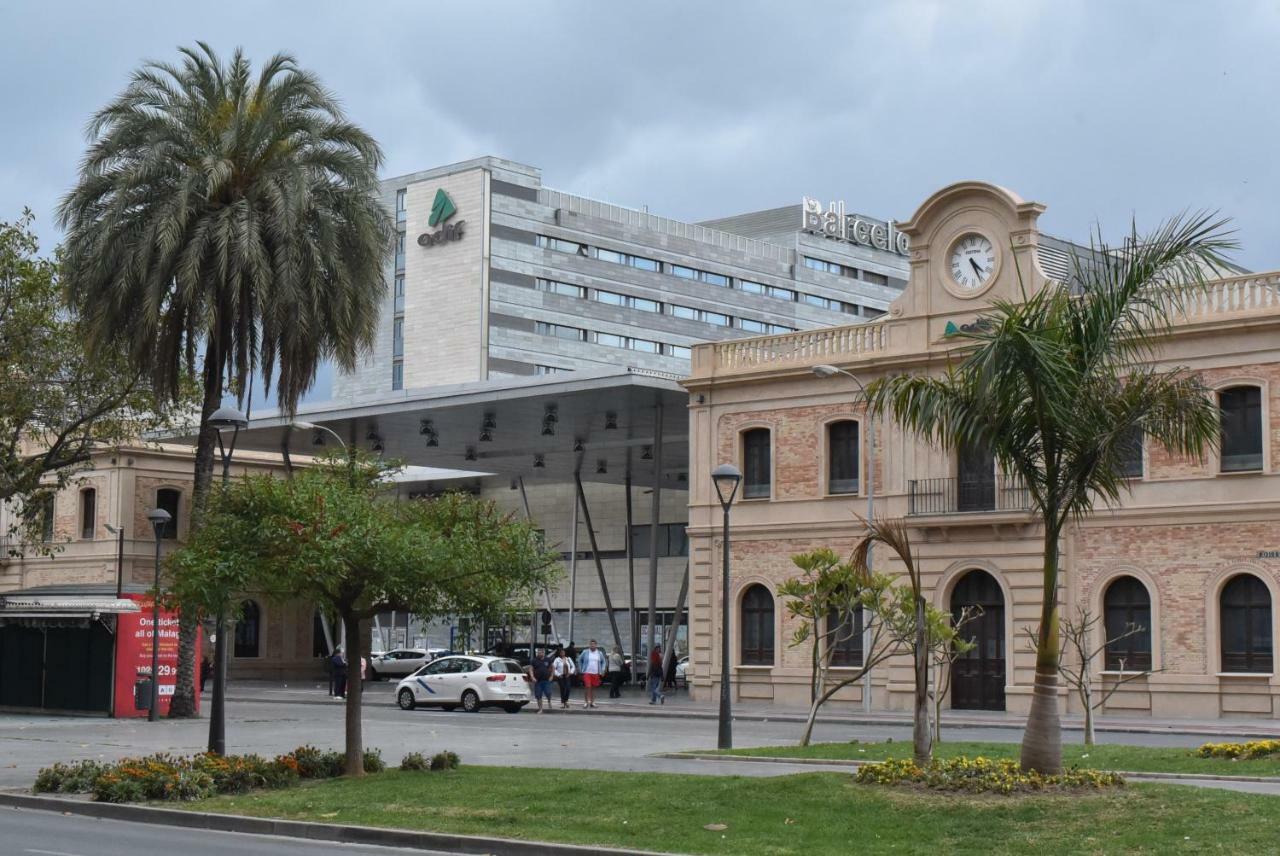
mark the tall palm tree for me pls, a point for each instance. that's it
(1058, 385)
(230, 214)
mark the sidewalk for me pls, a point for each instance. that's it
(679, 706)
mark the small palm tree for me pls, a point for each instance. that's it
(1057, 386)
(233, 214)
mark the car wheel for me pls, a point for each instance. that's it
(405, 699)
(513, 708)
(470, 701)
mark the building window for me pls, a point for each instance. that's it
(705, 315)
(561, 246)
(874, 278)
(399, 307)
(757, 627)
(627, 259)
(168, 499)
(401, 213)
(612, 340)
(44, 515)
(699, 275)
(672, 541)
(830, 267)
(560, 331)
(680, 352)
(844, 637)
(750, 287)
(397, 374)
(842, 457)
(397, 337)
(757, 465)
(247, 630)
(612, 298)
(1241, 428)
(753, 326)
(552, 286)
(400, 251)
(1127, 605)
(1246, 625)
(88, 513)
(1131, 455)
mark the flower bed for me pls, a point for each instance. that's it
(1241, 751)
(981, 775)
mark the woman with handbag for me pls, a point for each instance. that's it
(563, 669)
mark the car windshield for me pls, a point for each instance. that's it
(509, 667)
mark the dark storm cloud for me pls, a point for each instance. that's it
(1099, 110)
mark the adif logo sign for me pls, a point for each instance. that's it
(442, 209)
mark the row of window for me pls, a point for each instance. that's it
(644, 304)
(166, 498)
(843, 453)
(711, 278)
(1244, 608)
(611, 340)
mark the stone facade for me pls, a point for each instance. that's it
(1184, 530)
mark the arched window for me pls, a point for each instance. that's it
(757, 464)
(1127, 605)
(88, 513)
(842, 457)
(1241, 428)
(168, 498)
(247, 628)
(1246, 625)
(844, 635)
(757, 627)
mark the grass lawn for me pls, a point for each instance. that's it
(1133, 759)
(810, 813)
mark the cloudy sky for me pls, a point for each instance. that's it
(1103, 111)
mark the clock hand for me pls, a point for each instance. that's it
(976, 269)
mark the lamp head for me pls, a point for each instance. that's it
(303, 424)
(726, 478)
(825, 371)
(159, 519)
(227, 419)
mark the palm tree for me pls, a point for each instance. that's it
(231, 214)
(1058, 386)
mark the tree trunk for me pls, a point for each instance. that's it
(183, 704)
(1088, 713)
(922, 744)
(815, 702)
(355, 689)
(1042, 741)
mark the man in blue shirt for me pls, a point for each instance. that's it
(540, 667)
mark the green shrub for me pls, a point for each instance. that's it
(981, 775)
(312, 763)
(73, 778)
(445, 761)
(373, 762)
(1241, 751)
(415, 761)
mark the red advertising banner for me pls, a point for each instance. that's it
(133, 659)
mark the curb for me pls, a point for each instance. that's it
(306, 830)
(853, 764)
(1113, 728)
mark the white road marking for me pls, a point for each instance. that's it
(50, 852)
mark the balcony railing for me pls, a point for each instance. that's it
(953, 496)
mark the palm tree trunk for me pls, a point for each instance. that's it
(355, 690)
(922, 740)
(1042, 740)
(183, 704)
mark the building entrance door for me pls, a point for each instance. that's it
(977, 677)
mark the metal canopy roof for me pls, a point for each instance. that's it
(542, 429)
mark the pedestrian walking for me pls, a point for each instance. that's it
(563, 670)
(615, 674)
(339, 663)
(540, 672)
(592, 664)
(656, 695)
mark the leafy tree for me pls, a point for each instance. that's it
(1056, 385)
(57, 401)
(829, 587)
(230, 214)
(330, 537)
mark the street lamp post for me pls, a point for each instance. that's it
(159, 518)
(223, 419)
(726, 478)
(825, 371)
(119, 533)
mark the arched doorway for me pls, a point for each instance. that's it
(977, 677)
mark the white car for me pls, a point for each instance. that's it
(682, 670)
(471, 682)
(397, 663)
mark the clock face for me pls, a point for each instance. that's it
(973, 261)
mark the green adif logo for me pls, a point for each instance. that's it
(442, 208)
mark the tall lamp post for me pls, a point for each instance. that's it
(726, 478)
(825, 371)
(159, 519)
(223, 419)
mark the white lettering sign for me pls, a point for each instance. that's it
(835, 223)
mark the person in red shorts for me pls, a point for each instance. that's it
(592, 664)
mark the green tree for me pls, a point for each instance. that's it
(57, 401)
(230, 214)
(1057, 385)
(331, 536)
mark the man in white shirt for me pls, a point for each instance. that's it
(592, 665)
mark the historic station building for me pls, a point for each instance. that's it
(1192, 553)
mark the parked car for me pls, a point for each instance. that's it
(397, 663)
(682, 671)
(470, 682)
